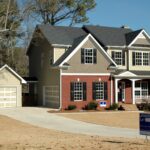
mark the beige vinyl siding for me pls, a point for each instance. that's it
(9, 80)
(57, 53)
(77, 67)
(109, 51)
(139, 68)
(40, 67)
(142, 41)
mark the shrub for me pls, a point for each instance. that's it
(144, 106)
(121, 108)
(114, 106)
(71, 107)
(91, 106)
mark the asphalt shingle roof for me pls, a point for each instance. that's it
(109, 36)
(61, 35)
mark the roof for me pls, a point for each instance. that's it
(109, 36)
(11, 70)
(60, 34)
(30, 79)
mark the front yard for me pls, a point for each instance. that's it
(115, 119)
(21, 136)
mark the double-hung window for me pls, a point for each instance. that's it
(141, 90)
(78, 91)
(140, 58)
(118, 57)
(100, 90)
(88, 56)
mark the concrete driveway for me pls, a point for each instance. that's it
(39, 117)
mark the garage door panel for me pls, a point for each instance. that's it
(51, 96)
(8, 96)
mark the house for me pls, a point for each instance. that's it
(10, 87)
(74, 65)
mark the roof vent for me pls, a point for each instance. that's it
(125, 27)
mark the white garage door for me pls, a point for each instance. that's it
(51, 96)
(8, 96)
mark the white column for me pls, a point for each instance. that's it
(116, 90)
(133, 91)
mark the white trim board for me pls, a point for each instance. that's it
(85, 74)
(80, 45)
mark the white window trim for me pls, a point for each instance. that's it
(141, 90)
(142, 64)
(77, 91)
(102, 83)
(118, 57)
(88, 56)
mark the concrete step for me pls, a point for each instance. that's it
(129, 107)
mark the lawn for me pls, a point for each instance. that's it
(114, 119)
(21, 136)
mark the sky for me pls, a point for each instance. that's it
(115, 13)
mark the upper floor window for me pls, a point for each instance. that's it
(118, 57)
(88, 56)
(140, 58)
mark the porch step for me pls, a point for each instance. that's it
(129, 107)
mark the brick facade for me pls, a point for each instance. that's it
(66, 80)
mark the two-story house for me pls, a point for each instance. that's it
(77, 65)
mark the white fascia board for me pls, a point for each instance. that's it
(16, 74)
(61, 45)
(143, 31)
(85, 74)
(80, 45)
(109, 46)
(127, 74)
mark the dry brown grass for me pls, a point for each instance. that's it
(115, 119)
(15, 135)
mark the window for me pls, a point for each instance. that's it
(78, 91)
(141, 90)
(118, 57)
(88, 56)
(141, 58)
(100, 90)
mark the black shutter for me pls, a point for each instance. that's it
(72, 91)
(82, 55)
(113, 55)
(94, 90)
(149, 59)
(123, 58)
(133, 58)
(105, 91)
(84, 91)
(95, 55)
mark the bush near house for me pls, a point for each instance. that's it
(144, 106)
(91, 106)
(71, 107)
(114, 106)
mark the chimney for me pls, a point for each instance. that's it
(125, 27)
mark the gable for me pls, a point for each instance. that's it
(77, 67)
(141, 39)
(126, 74)
(8, 78)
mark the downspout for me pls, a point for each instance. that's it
(111, 88)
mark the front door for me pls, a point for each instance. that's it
(121, 92)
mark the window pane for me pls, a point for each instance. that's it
(118, 58)
(99, 90)
(78, 91)
(88, 56)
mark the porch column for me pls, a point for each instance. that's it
(116, 90)
(133, 91)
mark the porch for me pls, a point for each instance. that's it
(131, 88)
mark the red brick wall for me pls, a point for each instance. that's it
(88, 79)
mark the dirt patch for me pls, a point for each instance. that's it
(115, 119)
(15, 135)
